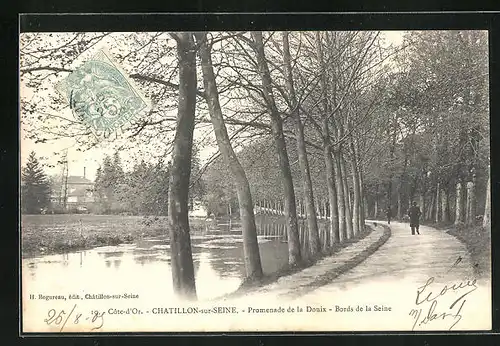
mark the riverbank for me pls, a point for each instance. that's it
(332, 263)
(56, 234)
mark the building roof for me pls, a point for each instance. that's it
(77, 186)
(72, 179)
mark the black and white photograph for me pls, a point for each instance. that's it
(255, 181)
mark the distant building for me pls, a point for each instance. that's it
(79, 192)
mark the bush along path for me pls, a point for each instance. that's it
(477, 240)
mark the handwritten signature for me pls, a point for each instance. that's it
(61, 318)
(426, 295)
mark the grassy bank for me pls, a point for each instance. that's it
(249, 285)
(53, 234)
(478, 243)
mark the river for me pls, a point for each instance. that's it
(217, 257)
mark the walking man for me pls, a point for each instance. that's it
(414, 214)
(388, 213)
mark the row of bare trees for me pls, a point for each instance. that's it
(436, 131)
(289, 79)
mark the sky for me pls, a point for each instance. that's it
(89, 161)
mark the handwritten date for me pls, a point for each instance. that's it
(62, 317)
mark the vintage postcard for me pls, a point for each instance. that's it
(255, 181)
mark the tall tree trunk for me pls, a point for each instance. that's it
(471, 201)
(306, 212)
(322, 206)
(341, 198)
(364, 204)
(330, 181)
(487, 204)
(375, 208)
(252, 259)
(468, 203)
(473, 204)
(400, 208)
(312, 221)
(327, 152)
(444, 206)
(365, 207)
(422, 204)
(356, 212)
(392, 150)
(437, 203)
(359, 179)
(294, 254)
(459, 204)
(178, 192)
(348, 213)
(430, 208)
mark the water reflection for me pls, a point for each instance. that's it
(65, 261)
(217, 258)
(111, 254)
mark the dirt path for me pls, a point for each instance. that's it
(305, 280)
(412, 282)
(413, 258)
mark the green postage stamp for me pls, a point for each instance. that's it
(101, 96)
